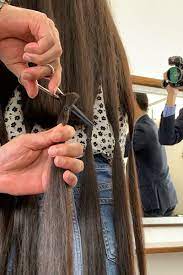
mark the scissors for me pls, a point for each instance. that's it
(75, 110)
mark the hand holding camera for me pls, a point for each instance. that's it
(173, 79)
(174, 76)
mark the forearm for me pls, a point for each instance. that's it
(171, 130)
(167, 134)
(171, 99)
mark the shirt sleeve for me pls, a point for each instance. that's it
(169, 111)
(171, 129)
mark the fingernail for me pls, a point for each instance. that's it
(60, 161)
(27, 57)
(55, 89)
(31, 95)
(52, 152)
(71, 179)
(27, 76)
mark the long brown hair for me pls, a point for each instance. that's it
(93, 55)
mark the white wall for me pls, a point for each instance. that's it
(165, 264)
(151, 32)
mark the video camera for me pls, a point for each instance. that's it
(175, 73)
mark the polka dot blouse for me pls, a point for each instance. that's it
(102, 135)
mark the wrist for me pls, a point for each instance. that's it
(171, 99)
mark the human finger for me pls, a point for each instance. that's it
(66, 149)
(67, 163)
(45, 58)
(45, 139)
(55, 79)
(70, 178)
(48, 37)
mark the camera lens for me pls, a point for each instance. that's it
(174, 75)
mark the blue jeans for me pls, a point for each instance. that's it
(103, 171)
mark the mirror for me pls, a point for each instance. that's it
(157, 99)
(150, 31)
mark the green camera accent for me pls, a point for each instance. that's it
(174, 74)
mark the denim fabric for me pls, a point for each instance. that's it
(169, 111)
(103, 171)
(77, 249)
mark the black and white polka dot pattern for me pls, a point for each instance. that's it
(102, 135)
(14, 117)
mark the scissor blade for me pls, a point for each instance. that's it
(75, 110)
(47, 91)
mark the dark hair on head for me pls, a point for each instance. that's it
(142, 101)
(93, 55)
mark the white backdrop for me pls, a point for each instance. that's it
(152, 30)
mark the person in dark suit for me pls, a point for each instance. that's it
(157, 191)
(171, 129)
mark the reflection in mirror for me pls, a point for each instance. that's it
(145, 29)
(157, 99)
(151, 34)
